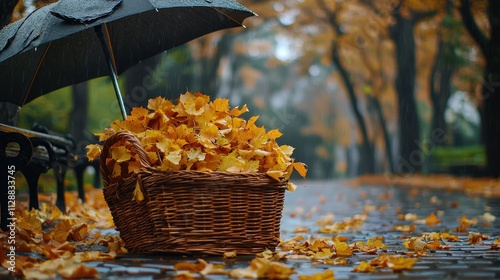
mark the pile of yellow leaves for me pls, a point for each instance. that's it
(50, 243)
(197, 134)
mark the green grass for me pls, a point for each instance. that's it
(444, 156)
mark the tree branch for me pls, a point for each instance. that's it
(419, 16)
(331, 17)
(472, 27)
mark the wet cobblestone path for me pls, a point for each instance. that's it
(385, 209)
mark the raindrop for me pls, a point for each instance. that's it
(36, 48)
(156, 9)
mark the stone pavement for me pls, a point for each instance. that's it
(382, 210)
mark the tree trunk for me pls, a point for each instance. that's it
(491, 94)
(367, 158)
(79, 116)
(387, 141)
(410, 158)
(8, 111)
(440, 90)
(490, 109)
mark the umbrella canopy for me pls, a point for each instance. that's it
(72, 41)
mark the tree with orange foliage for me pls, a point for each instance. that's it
(367, 161)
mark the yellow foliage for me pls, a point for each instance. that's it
(138, 195)
(327, 275)
(395, 262)
(196, 133)
(53, 241)
(432, 219)
(364, 267)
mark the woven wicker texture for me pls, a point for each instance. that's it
(192, 211)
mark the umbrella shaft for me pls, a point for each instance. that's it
(114, 79)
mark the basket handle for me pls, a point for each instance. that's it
(119, 136)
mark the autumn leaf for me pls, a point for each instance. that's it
(211, 269)
(77, 271)
(158, 103)
(415, 244)
(220, 105)
(94, 151)
(62, 231)
(134, 166)
(274, 134)
(476, 238)
(364, 267)
(266, 254)
(117, 170)
(174, 157)
(191, 266)
(235, 112)
(471, 222)
(231, 254)
(29, 221)
(251, 122)
(185, 275)
(291, 187)
(121, 154)
(138, 196)
(139, 112)
(496, 244)
(342, 249)
(277, 270)
(462, 227)
(371, 246)
(404, 228)
(396, 262)
(432, 219)
(449, 237)
(275, 174)
(263, 268)
(301, 168)
(436, 245)
(326, 275)
(194, 105)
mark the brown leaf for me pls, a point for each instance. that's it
(77, 271)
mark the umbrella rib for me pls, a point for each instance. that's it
(229, 17)
(36, 73)
(110, 47)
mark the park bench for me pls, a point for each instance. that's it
(34, 152)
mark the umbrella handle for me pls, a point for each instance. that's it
(121, 136)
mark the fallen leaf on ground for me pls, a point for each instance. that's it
(364, 267)
(327, 275)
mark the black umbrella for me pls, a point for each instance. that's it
(72, 41)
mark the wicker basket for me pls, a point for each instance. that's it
(191, 211)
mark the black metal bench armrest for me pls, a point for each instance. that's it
(53, 139)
